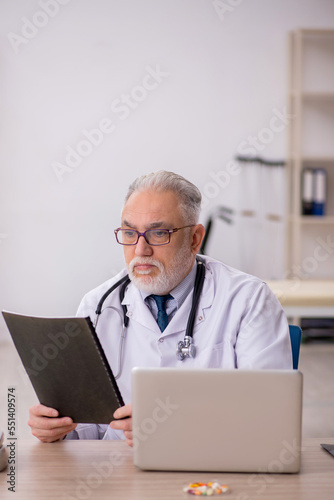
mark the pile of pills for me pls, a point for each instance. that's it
(206, 489)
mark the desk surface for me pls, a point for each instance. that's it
(70, 470)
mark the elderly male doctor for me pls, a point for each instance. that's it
(239, 323)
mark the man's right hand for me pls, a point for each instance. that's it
(46, 425)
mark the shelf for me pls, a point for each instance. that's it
(314, 160)
(317, 96)
(311, 145)
(313, 96)
(324, 160)
(323, 220)
(316, 32)
(319, 220)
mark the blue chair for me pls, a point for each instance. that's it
(295, 337)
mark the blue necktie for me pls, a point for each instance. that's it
(161, 300)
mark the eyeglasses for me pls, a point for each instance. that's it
(154, 237)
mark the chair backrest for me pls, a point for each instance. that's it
(295, 337)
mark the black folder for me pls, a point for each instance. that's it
(67, 366)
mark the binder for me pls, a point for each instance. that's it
(314, 187)
(67, 366)
(307, 191)
(319, 191)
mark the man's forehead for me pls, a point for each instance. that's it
(149, 219)
(151, 212)
(152, 206)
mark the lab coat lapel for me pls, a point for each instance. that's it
(138, 310)
(140, 313)
(180, 320)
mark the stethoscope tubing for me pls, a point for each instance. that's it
(124, 282)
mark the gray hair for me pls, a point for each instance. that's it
(189, 195)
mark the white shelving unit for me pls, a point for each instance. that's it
(311, 144)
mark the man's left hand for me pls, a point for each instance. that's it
(124, 425)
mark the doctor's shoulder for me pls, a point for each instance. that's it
(233, 280)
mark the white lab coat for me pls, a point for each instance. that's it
(239, 324)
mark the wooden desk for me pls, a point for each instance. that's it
(70, 470)
(308, 298)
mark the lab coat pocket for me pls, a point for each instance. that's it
(220, 355)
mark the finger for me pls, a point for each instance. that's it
(129, 438)
(124, 411)
(43, 411)
(123, 425)
(49, 436)
(129, 442)
(128, 435)
(53, 432)
(49, 423)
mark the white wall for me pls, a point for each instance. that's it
(222, 78)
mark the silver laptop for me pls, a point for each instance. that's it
(217, 420)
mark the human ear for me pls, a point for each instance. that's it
(197, 238)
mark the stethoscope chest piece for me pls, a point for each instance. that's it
(185, 348)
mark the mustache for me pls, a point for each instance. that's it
(145, 260)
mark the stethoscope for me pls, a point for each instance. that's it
(186, 347)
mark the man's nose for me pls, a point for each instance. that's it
(143, 248)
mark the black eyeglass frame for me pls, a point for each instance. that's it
(167, 231)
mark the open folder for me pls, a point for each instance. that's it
(67, 366)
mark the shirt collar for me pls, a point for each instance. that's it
(181, 291)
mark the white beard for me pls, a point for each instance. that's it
(164, 282)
